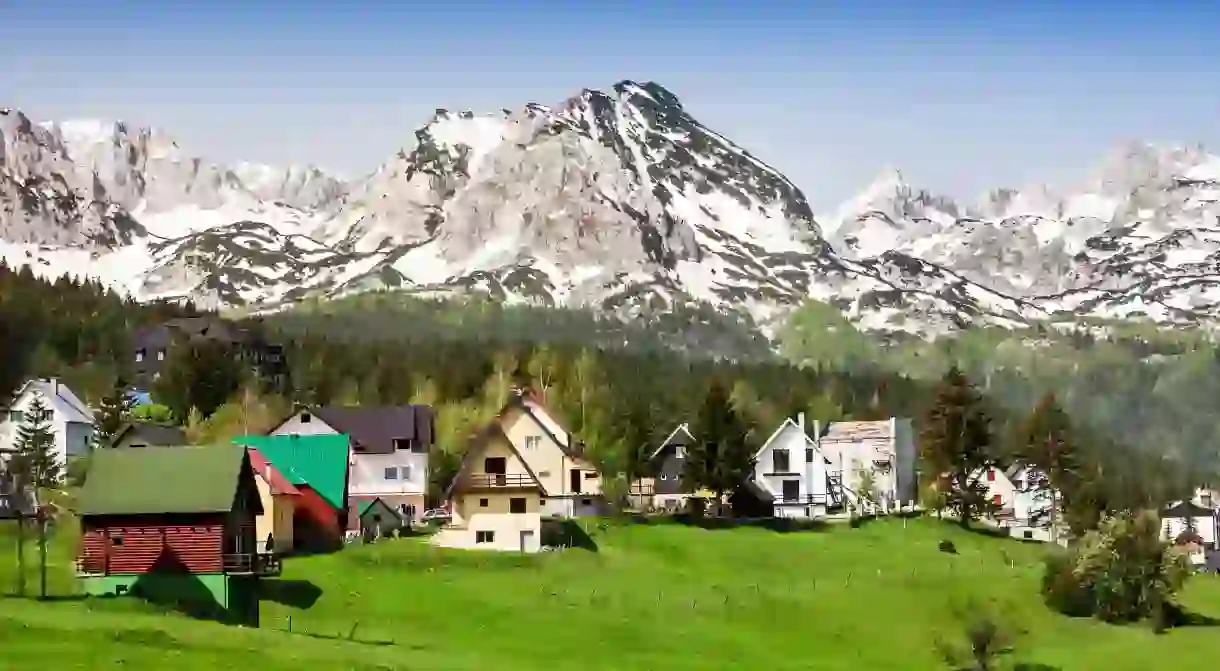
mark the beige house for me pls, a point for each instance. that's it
(523, 467)
(495, 499)
(273, 528)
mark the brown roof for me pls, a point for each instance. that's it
(374, 429)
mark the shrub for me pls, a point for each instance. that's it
(1120, 572)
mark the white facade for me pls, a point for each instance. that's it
(884, 449)
(71, 420)
(1024, 512)
(402, 473)
(509, 532)
(790, 469)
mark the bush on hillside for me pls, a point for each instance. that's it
(1120, 572)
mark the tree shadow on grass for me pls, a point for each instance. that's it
(300, 594)
(782, 525)
(1177, 616)
(1034, 666)
(563, 532)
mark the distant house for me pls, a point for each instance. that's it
(792, 475)
(318, 467)
(274, 526)
(153, 344)
(664, 488)
(496, 498)
(884, 450)
(148, 434)
(71, 420)
(389, 449)
(1192, 524)
(1023, 508)
(373, 518)
(173, 524)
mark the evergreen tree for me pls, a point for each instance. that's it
(720, 459)
(1048, 448)
(956, 441)
(113, 411)
(35, 463)
(201, 374)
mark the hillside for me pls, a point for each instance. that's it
(618, 200)
(652, 597)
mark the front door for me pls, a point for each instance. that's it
(527, 539)
(575, 481)
(496, 467)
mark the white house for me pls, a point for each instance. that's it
(884, 450)
(389, 449)
(1024, 505)
(791, 472)
(1179, 517)
(71, 420)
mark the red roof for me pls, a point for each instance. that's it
(276, 480)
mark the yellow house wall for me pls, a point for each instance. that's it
(467, 502)
(550, 463)
(276, 518)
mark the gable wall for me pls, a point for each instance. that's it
(548, 460)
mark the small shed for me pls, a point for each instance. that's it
(173, 525)
(148, 434)
(373, 518)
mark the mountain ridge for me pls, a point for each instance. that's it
(616, 199)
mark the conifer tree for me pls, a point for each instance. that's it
(113, 411)
(1049, 449)
(35, 463)
(720, 460)
(956, 441)
(201, 374)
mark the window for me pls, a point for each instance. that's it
(792, 490)
(809, 455)
(403, 443)
(160, 355)
(516, 506)
(542, 500)
(391, 473)
(532, 442)
(544, 474)
(1205, 500)
(305, 418)
(139, 356)
(590, 475)
(991, 475)
(484, 536)
(137, 445)
(779, 460)
(664, 477)
(482, 503)
(405, 471)
(116, 541)
(376, 518)
(1029, 535)
(679, 452)
(998, 500)
(586, 502)
(16, 416)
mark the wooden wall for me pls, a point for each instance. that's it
(153, 543)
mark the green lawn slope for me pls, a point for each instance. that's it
(652, 597)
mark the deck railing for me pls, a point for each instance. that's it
(497, 480)
(250, 563)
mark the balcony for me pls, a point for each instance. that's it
(808, 500)
(500, 481)
(250, 563)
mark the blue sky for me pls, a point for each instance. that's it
(962, 96)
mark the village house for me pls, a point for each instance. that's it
(148, 434)
(1023, 508)
(371, 519)
(274, 526)
(792, 475)
(496, 499)
(389, 449)
(70, 419)
(663, 489)
(318, 467)
(881, 451)
(152, 346)
(1193, 524)
(174, 525)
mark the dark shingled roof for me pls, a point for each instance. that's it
(152, 433)
(374, 429)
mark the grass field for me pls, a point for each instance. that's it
(652, 597)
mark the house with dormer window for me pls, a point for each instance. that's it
(792, 474)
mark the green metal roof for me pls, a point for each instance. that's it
(150, 480)
(319, 461)
(363, 507)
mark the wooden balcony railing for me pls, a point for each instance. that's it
(500, 480)
(250, 563)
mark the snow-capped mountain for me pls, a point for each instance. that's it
(618, 199)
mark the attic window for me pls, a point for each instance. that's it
(679, 452)
(403, 443)
(305, 418)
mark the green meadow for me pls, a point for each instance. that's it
(659, 596)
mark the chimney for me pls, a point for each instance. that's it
(800, 421)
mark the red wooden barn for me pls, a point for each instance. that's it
(172, 523)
